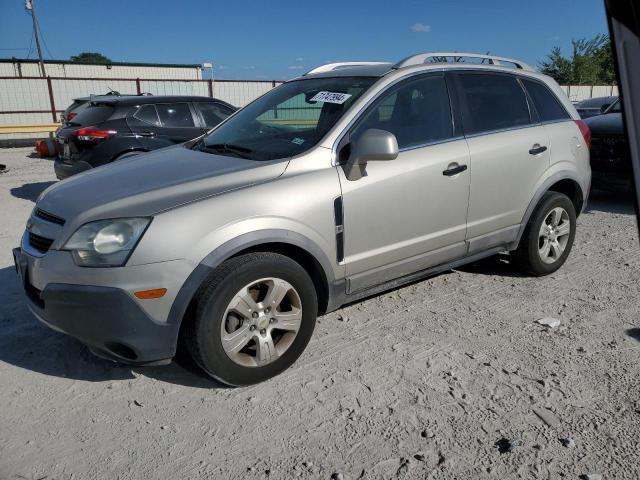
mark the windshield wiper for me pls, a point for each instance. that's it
(238, 150)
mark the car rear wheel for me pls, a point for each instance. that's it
(548, 237)
(253, 318)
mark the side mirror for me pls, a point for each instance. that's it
(372, 145)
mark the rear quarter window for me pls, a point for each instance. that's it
(492, 102)
(547, 105)
(93, 114)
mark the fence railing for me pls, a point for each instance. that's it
(36, 100)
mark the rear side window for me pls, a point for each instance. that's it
(417, 112)
(548, 106)
(492, 102)
(175, 115)
(93, 115)
(148, 114)
(213, 113)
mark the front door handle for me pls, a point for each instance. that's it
(537, 149)
(454, 169)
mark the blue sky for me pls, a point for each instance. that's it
(278, 39)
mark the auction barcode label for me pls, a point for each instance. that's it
(331, 97)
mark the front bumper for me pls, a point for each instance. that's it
(64, 170)
(107, 318)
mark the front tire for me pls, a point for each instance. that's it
(548, 237)
(253, 318)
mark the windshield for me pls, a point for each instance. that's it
(287, 121)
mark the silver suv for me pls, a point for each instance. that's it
(350, 180)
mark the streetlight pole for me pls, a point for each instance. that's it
(36, 31)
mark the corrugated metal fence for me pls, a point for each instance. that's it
(32, 100)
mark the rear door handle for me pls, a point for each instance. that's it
(146, 134)
(537, 149)
(454, 170)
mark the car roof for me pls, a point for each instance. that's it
(381, 69)
(596, 102)
(150, 99)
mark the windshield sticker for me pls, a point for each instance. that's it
(298, 141)
(331, 97)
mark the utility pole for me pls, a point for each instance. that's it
(36, 31)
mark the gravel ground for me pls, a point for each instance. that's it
(447, 378)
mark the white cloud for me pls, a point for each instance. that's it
(299, 59)
(296, 67)
(420, 28)
(249, 67)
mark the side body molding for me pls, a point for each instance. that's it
(335, 288)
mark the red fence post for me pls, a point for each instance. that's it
(138, 86)
(51, 100)
(211, 88)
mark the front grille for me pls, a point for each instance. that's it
(42, 244)
(49, 217)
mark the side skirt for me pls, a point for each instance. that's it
(343, 298)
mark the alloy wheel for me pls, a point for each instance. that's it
(554, 235)
(261, 322)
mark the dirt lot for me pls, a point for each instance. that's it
(447, 378)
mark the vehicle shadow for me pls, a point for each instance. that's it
(610, 202)
(30, 191)
(27, 343)
(633, 333)
(495, 265)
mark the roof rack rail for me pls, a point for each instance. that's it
(492, 60)
(335, 66)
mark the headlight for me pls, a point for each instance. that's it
(106, 243)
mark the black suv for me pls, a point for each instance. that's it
(112, 128)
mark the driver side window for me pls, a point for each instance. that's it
(416, 111)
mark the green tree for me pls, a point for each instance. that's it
(94, 58)
(590, 63)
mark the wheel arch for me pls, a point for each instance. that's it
(565, 182)
(129, 150)
(291, 244)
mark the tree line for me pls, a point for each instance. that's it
(590, 63)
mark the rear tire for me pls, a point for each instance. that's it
(548, 237)
(253, 318)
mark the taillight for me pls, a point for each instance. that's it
(585, 131)
(71, 116)
(92, 134)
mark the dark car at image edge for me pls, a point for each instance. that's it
(109, 129)
(610, 156)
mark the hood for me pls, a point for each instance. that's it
(608, 124)
(146, 184)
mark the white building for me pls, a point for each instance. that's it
(14, 67)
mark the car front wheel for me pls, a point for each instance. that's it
(253, 318)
